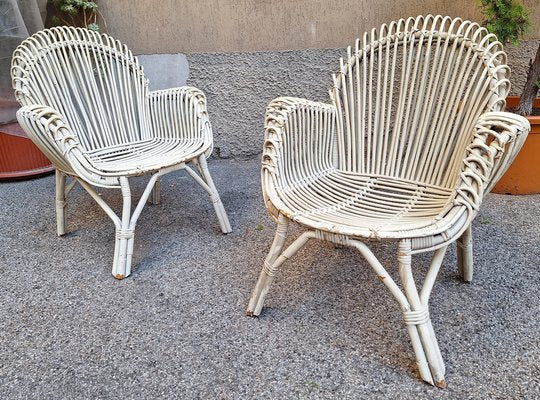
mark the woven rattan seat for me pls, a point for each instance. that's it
(141, 156)
(364, 206)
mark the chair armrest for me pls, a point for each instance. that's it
(54, 137)
(299, 143)
(496, 142)
(180, 113)
(498, 137)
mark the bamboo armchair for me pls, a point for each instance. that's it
(86, 105)
(413, 139)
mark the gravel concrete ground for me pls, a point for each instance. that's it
(176, 328)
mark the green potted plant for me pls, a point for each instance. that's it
(509, 20)
(81, 13)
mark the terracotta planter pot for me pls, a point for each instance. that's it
(19, 157)
(523, 176)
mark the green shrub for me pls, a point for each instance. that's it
(509, 21)
(76, 13)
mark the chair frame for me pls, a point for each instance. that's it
(117, 87)
(496, 139)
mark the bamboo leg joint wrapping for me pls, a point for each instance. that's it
(417, 317)
(269, 269)
(125, 233)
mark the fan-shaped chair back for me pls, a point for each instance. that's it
(409, 96)
(92, 80)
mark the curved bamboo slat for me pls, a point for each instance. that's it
(86, 105)
(412, 140)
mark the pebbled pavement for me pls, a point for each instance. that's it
(176, 328)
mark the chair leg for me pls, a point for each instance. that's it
(272, 263)
(123, 249)
(416, 315)
(266, 276)
(214, 195)
(465, 255)
(125, 226)
(155, 198)
(60, 202)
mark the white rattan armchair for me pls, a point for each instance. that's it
(87, 106)
(413, 139)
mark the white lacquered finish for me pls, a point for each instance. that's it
(414, 136)
(86, 105)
